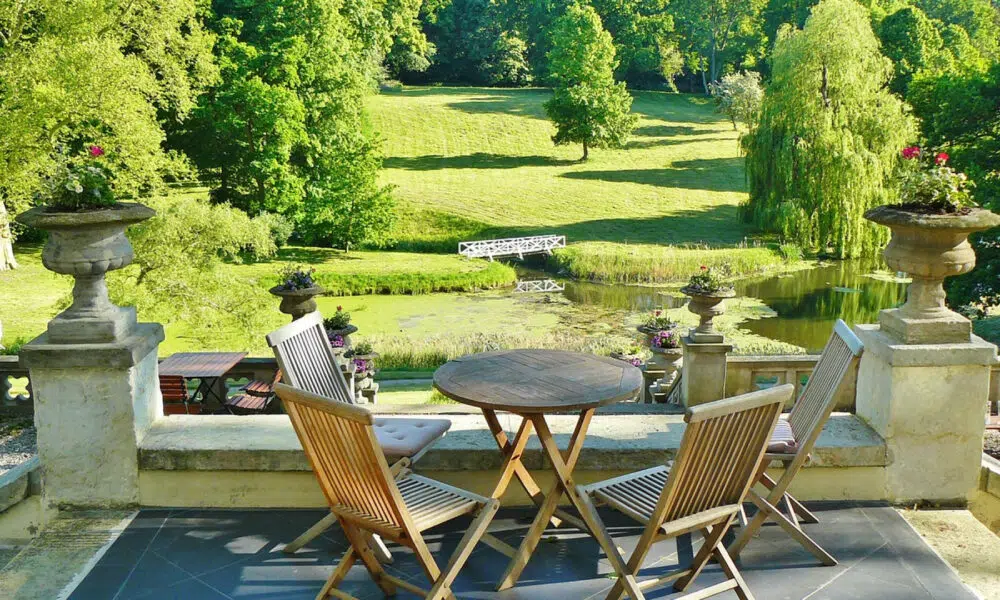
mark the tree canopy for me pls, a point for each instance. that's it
(587, 106)
(829, 134)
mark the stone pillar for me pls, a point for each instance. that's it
(928, 401)
(703, 374)
(93, 403)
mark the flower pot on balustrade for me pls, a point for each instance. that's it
(345, 334)
(648, 332)
(86, 245)
(633, 359)
(707, 305)
(929, 248)
(297, 303)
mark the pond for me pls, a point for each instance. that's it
(806, 302)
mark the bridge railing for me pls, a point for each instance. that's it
(511, 246)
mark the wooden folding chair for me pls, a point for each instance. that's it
(307, 361)
(795, 438)
(365, 495)
(720, 454)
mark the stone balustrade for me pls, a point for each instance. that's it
(744, 374)
(16, 397)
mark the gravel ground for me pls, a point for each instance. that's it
(992, 445)
(17, 443)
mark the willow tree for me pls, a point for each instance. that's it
(829, 134)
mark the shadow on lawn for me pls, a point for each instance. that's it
(712, 174)
(478, 160)
(515, 102)
(715, 226)
(309, 255)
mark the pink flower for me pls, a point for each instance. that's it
(911, 152)
(96, 151)
(941, 158)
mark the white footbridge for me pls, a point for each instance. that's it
(539, 244)
(538, 285)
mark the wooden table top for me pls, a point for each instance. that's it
(537, 381)
(200, 364)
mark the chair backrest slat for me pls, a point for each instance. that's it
(342, 448)
(306, 359)
(721, 452)
(819, 397)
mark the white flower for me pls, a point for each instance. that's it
(78, 189)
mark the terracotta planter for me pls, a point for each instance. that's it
(707, 307)
(297, 303)
(86, 245)
(929, 248)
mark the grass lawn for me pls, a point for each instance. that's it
(473, 163)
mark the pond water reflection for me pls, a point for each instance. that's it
(806, 302)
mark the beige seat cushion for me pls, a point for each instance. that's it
(402, 436)
(783, 439)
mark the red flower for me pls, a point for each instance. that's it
(340, 308)
(96, 151)
(911, 152)
(704, 268)
(941, 158)
(657, 313)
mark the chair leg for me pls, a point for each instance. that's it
(803, 513)
(360, 543)
(430, 566)
(593, 520)
(712, 539)
(339, 573)
(310, 534)
(464, 549)
(769, 510)
(729, 568)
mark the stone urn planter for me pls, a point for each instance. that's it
(631, 359)
(364, 380)
(667, 359)
(707, 306)
(297, 303)
(929, 248)
(86, 245)
(344, 333)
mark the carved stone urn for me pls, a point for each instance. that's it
(86, 245)
(929, 248)
(345, 334)
(297, 303)
(707, 306)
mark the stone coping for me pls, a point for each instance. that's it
(19, 483)
(614, 442)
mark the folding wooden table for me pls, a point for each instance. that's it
(531, 384)
(209, 368)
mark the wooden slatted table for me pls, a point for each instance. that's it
(209, 368)
(531, 384)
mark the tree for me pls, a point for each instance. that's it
(106, 72)
(285, 130)
(179, 275)
(587, 105)
(910, 40)
(739, 96)
(643, 34)
(710, 27)
(829, 134)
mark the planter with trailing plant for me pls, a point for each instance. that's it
(655, 323)
(666, 349)
(630, 354)
(297, 291)
(339, 329)
(86, 226)
(707, 293)
(362, 356)
(930, 230)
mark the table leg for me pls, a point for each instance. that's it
(564, 484)
(512, 457)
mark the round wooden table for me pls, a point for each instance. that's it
(531, 384)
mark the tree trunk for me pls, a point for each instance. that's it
(7, 260)
(704, 81)
(586, 153)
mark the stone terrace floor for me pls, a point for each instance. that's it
(219, 554)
